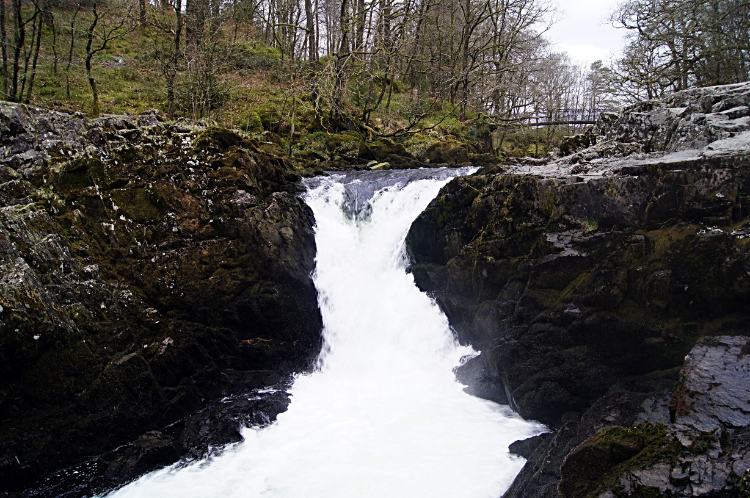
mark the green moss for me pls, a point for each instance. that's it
(139, 204)
(270, 116)
(599, 462)
(589, 225)
(220, 138)
(334, 142)
(75, 175)
(250, 122)
(255, 54)
(745, 484)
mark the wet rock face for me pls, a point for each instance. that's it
(714, 392)
(704, 451)
(204, 433)
(563, 305)
(568, 281)
(146, 268)
(582, 274)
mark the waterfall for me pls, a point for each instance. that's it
(382, 414)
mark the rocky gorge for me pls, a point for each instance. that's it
(156, 294)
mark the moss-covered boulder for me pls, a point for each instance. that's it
(383, 150)
(250, 122)
(270, 115)
(334, 143)
(585, 469)
(702, 449)
(451, 152)
(218, 138)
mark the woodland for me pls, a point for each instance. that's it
(376, 68)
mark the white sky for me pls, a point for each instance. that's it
(583, 31)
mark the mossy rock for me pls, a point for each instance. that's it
(380, 79)
(270, 115)
(596, 464)
(572, 144)
(250, 122)
(451, 152)
(77, 175)
(139, 204)
(273, 138)
(255, 55)
(334, 142)
(381, 149)
(220, 138)
(483, 159)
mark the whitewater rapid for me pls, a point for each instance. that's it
(382, 415)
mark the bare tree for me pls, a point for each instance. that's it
(113, 22)
(22, 48)
(170, 53)
(676, 44)
(4, 46)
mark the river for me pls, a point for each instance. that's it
(382, 414)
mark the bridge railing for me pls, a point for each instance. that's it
(563, 117)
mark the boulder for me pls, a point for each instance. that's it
(703, 451)
(452, 152)
(383, 150)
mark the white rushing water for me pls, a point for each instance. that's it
(382, 415)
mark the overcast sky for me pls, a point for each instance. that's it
(583, 31)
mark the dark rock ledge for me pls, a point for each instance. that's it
(147, 271)
(584, 280)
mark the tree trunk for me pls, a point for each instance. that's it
(171, 73)
(54, 46)
(27, 55)
(342, 56)
(344, 49)
(3, 43)
(36, 58)
(360, 42)
(312, 48)
(215, 11)
(195, 17)
(19, 40)
(294, 115)
(70, 51)
(312, 56)
(89, 56)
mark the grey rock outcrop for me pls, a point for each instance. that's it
(688, 128)
(704, 451)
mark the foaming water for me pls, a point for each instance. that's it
(382, 415)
